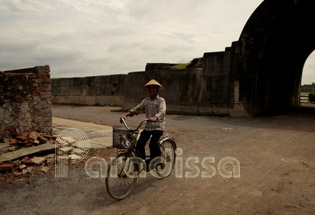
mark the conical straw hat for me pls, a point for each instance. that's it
(153, 82)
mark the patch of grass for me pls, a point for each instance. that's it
(180, 66)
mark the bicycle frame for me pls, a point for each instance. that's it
(136, 131)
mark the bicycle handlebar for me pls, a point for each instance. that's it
(125, 124)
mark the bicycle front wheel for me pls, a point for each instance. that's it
(121, 177)
(167, 159)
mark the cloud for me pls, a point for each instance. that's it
(99, 37)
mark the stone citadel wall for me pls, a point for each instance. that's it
(203, 87)
(96, 90)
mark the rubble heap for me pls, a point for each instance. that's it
(28, 139)
(21, 154)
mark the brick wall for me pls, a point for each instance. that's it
(25, 101)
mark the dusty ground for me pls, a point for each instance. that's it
(277, 171)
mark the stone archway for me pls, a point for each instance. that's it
(271, 52)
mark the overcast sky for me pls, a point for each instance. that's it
(100, 37)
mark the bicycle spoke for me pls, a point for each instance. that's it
(119, 182)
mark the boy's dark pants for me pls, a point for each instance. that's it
(154, 148)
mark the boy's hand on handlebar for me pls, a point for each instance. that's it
(129, 114)
(120, 119)
(153, 119)
(125, 116)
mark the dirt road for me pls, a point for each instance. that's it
(275, 153)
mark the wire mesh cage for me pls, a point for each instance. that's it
(117, 133)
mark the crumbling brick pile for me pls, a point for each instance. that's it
(28, 139)
(72, 149)
(26, 159)
(27, 165)
(27, 152)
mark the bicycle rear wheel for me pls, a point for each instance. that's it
(121, 177)
(167, 160)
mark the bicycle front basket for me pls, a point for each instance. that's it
(117, 132)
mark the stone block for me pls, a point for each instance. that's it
(74, 157)
(4, 147)
(27, 170)
(69, 139)
(64, 91)
(82, 144)
(84, 81)
(74, 81)
(66, 149)
(27, 152)
(75, 90)
(38, 160)
(216, 64)
(85, 90)
(108, 100)
(90, 100)
(22, 166)
(61, 142)
(78, 151)
(34, 135)
(44, 169)
(78, 100)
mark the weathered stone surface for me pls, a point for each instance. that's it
(34, 135)
(101, 142)
(38, 160)
(42, 139)
(62, 158)
(22, 166)
(25, 101)
(66, 149)
(26, 151)
(51, 160)
(82, 144)
(69, 139)
(4, 147)
(97, 90)
(62, 142)
(27, 170)
(78, 151)
(44, 169)
(74, 157)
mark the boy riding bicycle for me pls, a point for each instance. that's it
(154, 107)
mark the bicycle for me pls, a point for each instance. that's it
(124, 170)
